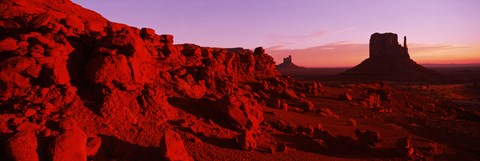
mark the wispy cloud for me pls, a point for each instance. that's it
(276, 47)
(423, 47)
(290, 41)
(282, 37)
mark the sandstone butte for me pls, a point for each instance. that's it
(288, 64)
(388, 60)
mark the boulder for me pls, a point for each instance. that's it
(306, 105)
(313, 87)
(259, 51)
(40, 20)
(230, 107)
(29, 112)
(147, 33)
(22, 147)
(109, 70)
(167, 39)
(95, 27)
(284, 126)
(74, 23)
(11, 73)
(8, 44)
(36, 50)
(71, 144)
(289, 94)
(172, 147)
(274, 103)
(246, 141)
(60, 74)
(28, 127)
(372, 101)
(241, 112)
(284, 106)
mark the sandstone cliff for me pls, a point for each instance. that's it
(61, 62)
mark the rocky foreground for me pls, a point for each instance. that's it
(69, 75)
(75, 86)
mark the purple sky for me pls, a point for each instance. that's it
(440, 31)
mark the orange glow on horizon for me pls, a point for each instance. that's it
(351, 54)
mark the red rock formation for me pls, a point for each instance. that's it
(60, 61)
(22, 147)
(389, 61)
(288, 64)
(246, 141)
(173, 148)
(70, 146)
(386, 46)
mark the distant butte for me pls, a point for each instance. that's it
(388, 60)
(288, 64)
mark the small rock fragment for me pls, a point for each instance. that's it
(353, 122)
(345, 96)
(29, 112)
(284, 106)
(320, 145)
(28, 127)
(290, 94)
(307, 105)
(71, 145)
(93, 144)
(405, 147)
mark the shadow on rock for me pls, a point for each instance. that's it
(339, 146)
(115, 149)
(202, 108)
(215, 141)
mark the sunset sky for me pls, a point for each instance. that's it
(317, 33)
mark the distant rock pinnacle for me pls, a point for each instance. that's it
(288, 64)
